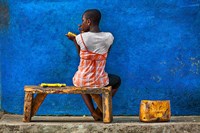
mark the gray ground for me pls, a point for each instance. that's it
(85, 124)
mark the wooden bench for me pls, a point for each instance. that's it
(32, 103)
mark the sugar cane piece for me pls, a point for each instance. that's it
(71, 34)
(52, 85)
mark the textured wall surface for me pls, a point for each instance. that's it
(4, 24)
(156, 52)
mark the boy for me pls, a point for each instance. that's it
(93, 46)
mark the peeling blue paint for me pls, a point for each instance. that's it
(156, 52)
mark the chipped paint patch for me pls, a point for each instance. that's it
(156, 78)
(195, 65)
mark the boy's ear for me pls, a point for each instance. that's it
(89, 21)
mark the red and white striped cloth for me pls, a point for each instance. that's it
(91, 71)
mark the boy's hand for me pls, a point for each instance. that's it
(70, 37)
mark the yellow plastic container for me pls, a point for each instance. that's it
(155, 111)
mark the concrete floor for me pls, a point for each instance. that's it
(79, 124)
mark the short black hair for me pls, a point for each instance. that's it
(94, 15)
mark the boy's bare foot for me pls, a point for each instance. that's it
(96, 116)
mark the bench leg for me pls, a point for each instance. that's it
(107, 107)
(37, 101)
(27, 106)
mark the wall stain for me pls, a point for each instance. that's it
(4, 15)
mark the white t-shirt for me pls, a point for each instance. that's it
(97, 42)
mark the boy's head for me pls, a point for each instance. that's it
(90, 18)
(94, 15)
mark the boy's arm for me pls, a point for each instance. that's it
(77, 46)
(73, 38)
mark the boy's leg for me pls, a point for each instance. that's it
(115, 82)
(114, 90)
(88, 101)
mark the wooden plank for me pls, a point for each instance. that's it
(67, 89)
(107, 107)
(107, 89)
(27, 106)
(98, 100)
(37, 102)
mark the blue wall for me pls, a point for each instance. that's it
(156, 52)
